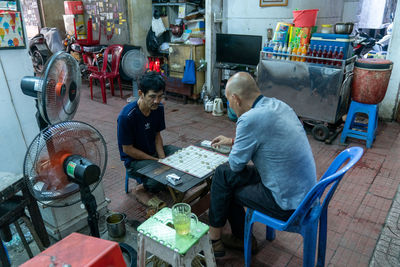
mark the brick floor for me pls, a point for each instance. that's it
(357, 212)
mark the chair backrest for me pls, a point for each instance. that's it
(116, 53)
(332, 175)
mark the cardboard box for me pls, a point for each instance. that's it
(73, 7)
(69, 24)
(196, 26)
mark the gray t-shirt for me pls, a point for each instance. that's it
(271, 135)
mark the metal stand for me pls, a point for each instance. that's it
(90, 204)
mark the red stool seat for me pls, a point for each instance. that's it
(80, 250)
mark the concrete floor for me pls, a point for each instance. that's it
(357, 212)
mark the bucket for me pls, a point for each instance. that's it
(116, 225)
(370, 80)
(305, 18)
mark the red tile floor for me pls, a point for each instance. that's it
(357, 211)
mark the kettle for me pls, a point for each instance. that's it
(218, 108)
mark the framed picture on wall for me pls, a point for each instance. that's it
(273, 3)
(11, 27)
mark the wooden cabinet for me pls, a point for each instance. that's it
(178, 54)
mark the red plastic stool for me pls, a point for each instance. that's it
(80, 250)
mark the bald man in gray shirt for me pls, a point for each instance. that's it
(269, 134)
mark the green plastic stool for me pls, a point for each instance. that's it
(157, 238)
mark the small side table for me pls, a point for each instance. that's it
(161, 240)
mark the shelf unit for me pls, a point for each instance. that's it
(174, 10)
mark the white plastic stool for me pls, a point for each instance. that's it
(157, 238)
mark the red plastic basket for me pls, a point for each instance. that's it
(305, 18)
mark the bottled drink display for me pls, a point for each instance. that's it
(322, 54)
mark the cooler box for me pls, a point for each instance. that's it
(339, 40)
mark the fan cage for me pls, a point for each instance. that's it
(43, 169)
(54, 108)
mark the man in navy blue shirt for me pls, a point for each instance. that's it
(139, 127)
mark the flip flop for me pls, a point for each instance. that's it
(154, 205)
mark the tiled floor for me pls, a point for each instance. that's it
(357, 212)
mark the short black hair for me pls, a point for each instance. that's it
(151, 81)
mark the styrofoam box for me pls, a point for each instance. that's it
(61, 221)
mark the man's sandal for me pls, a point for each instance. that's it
(153, 206)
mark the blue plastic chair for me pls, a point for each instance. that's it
(304, 220)
(138, 179)
(363, 131)
(8, 263)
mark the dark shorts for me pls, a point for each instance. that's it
(149, 184)
(231, 191)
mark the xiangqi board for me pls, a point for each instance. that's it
(195, 161)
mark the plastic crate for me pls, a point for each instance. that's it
(330, 39)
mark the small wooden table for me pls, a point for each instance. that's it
(159, 171)
(10, 184)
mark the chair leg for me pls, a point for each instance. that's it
(310, 238)
(4, 258)
(322, 238)
(247, 237)
(29, 224)
(270, 233)
(21, 235)
(91, 87)
(119, 85)
(111, 85)
(103, 90)
(126, 183)
(372, 119)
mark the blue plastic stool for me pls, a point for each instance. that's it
(361, 130)
(138, 179)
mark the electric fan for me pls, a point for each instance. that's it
(66, 156)
(57, 91)
(134, 64)
(62, 159)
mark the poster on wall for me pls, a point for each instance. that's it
(11, 34)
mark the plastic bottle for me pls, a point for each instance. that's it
(315, 54)
(294, 53)
(299, 49)
(309, 53)
(329, 62)
(284, 51)
(289, 51)
(324, 54)
(279, 56)
(304, 53)
(334, 55)
(275, 51)
(319, 54)
(340, 56)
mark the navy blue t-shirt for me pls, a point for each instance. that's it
(137, 130)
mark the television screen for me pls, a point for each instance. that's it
(238, 49)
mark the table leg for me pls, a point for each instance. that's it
(176, 197)
(36, 217)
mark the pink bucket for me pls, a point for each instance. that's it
(305, 18)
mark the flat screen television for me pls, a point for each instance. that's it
(236, 49)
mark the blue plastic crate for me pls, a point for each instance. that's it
(330, 39)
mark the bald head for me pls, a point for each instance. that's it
(243, 85)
